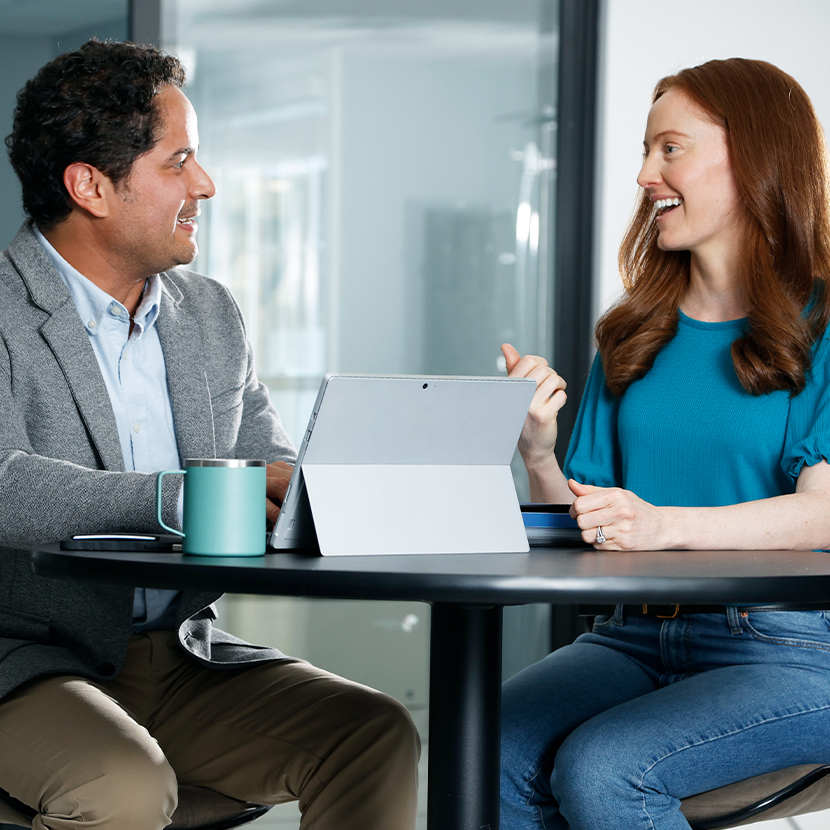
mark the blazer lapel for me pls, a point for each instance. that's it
(181, 342)
(69, 342)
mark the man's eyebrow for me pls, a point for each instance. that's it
(184, 151)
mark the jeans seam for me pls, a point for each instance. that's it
(531, 794)
(784, 641)
(792, 643)
(712, 740)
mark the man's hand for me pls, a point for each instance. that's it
(277, 476)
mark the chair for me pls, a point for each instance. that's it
(780, 794)
(198, 809)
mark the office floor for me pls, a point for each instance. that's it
(812, 821)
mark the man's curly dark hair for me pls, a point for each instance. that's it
(94, 105)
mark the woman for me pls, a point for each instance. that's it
(705, 424)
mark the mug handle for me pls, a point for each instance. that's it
(158, 500)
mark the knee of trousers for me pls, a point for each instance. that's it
(527, 752)
(381, 733)
(134, 788)
(390, 729)
(594, 775)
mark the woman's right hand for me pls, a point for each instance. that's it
(538, 438)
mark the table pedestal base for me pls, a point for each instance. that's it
(464, 717)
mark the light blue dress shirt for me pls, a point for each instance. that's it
(136, 378)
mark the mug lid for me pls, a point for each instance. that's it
(224, 462)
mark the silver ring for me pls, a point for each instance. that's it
(600, 537)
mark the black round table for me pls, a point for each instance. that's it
(467, 593)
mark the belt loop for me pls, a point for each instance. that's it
(734, 620)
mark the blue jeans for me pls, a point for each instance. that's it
(613, 730)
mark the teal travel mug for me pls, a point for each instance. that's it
(224, 506)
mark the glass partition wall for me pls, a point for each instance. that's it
(384, 173)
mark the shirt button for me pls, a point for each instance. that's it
(91, 324)
(115, 310)
(136, 427)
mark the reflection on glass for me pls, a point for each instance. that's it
(269, 248)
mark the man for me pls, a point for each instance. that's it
(115, 364)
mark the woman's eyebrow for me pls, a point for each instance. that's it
(671, 132)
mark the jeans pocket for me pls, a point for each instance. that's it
(797, 629)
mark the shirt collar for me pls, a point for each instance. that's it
(93, 303)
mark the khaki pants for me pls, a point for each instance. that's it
(109, 755)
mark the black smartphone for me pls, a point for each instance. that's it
(137, 542)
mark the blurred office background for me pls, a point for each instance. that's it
(402, 185)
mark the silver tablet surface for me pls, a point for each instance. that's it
(408, 464)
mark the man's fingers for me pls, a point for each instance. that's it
(277, 479)
(272, 512)
(279, 469)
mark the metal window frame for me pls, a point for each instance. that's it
(145, 21)
(572, 297)
(573, 250)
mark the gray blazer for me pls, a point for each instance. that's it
(62, 472)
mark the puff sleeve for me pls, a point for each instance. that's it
(807, 438)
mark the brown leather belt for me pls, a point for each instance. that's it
(669, 612)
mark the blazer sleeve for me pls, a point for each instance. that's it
(44, 498)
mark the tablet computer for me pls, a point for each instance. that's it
(408, 464)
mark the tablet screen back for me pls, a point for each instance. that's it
(408, 464)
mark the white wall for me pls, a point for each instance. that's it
(644, 40)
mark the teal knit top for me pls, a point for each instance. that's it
(687, 434)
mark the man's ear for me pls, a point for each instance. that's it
(88, 188)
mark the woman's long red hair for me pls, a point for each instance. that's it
(779, 159)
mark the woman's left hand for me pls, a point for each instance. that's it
(627, 522)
